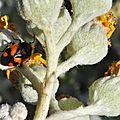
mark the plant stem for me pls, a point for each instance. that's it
(31, 77)
(47, 88)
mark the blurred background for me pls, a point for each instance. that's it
(75, 82)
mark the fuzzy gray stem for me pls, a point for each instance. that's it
(47, 88)
(31, 77)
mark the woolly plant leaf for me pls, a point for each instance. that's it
(61, 25)
(69, 103)
(89, 45)
(104, 95)
(87, 9)
(40, 12)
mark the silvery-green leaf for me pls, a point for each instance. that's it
(89, 45)
(86, 10)
(94, 117)
(69, 103)
(67, 116)
(4, 110)
(29, 94)
(105, 96)
(18, 111)
(61, 24)
(41, 12)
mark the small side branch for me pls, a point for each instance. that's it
(66, 65)
(31, 77)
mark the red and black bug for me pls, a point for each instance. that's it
(16, 53)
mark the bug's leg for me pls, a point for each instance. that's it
(8, 74)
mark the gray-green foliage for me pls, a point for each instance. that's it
(105, 95)
(69, 103)
(88, 42)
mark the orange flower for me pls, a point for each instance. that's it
(113, 69)
(36, 59)
(108, 21)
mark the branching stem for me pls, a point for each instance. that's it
(47, 88)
